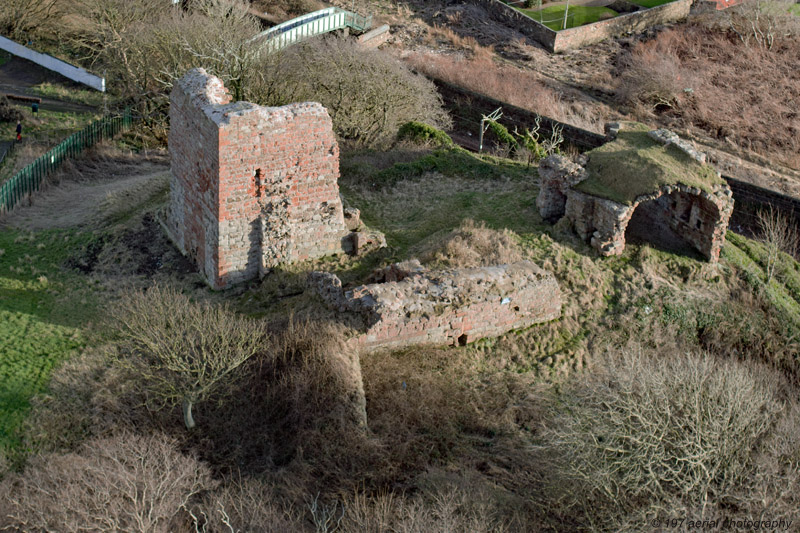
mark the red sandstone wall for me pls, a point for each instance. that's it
(444, 306)
(531, 305)
(252, 187)
(194, 186)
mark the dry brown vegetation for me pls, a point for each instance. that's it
(368, 93)
(473, 244)
(644, 435)
(507, 83)
(121, 483)
(702, 76)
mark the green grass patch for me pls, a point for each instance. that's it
(40, 133)
(42, 309)
(782, 291)
(795, 10)
(47, 125)
(456, 185)
(448, 162)
(553, 16)
(634, 164)
(650, 3)
(68, 94)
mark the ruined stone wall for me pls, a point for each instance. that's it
(457, 306)
(699, 217)
(251, 186)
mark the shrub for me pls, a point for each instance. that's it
(421, 133)
(181, 351)
(244, 505)
(145, 45)
(9, 113)
(368, 93)
(121, 483)
(653, 77)
(19, 19)
(762, 22)
(647, 432)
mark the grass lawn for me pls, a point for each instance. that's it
(40, 132)
(43, 307)
(70, 94)
(578, 15)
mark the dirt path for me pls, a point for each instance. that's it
(80, 204)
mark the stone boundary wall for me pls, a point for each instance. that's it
(750, 198)
(251, 187)
(56, 65)
(625, 24)
(589, 33)
(444, 307)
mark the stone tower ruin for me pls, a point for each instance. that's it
(251, 187)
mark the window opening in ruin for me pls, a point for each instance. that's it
(650, 224)
(462, 340)
(257, 183)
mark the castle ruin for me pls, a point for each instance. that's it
(251, 187)
(650, 184)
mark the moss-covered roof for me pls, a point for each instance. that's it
(635, 164)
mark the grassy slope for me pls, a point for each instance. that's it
(40, 132)
(81, 96)
(578, 15)
(607, 301)
(42, 309)
(634, 164)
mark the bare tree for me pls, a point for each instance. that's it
(778, 234)
(20, 17)
(146, 45)
(368, 94)
(122, 483)
(181, 351)
(762, 22)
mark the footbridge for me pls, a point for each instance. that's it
(312, 24)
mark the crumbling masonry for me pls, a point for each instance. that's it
(251, 186)
(698, 216)
(410, 305)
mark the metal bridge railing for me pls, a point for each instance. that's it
(312, 24)
(30, 178)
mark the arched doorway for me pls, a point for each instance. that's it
(660, 223)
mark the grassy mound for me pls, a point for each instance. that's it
(634, 164)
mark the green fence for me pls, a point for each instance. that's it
(30, 179)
